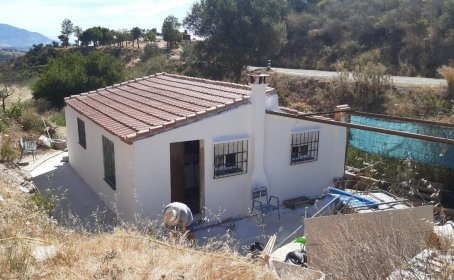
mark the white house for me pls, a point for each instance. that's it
(149, 141)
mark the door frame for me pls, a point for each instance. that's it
(180, 182)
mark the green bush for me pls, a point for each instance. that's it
(72, 73)
(150, 50)
(16, 110)
(57, 117)
(45, 201)
(431, 105)
(3, 125)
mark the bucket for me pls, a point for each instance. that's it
(59, 144)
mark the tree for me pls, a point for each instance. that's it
(98, 36)
(170, 31)
(237, 33)
(6, 82)
(64, 40)
(149, 36)
(72, 73)
(66, 30)
(77, 31)
(136, 33)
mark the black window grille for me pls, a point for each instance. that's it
(109, 162)
(230, 158)
(81, 130)
(304, 147)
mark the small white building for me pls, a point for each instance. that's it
(149, 141)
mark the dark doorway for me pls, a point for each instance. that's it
(185, 173)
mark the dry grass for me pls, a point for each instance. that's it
(448, 73)
(21, 93)
(319, 95)
(363, 247)
(125, 253)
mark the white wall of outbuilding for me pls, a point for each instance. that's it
(143, 168)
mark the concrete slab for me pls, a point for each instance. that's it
(250, 229)
(78, 205)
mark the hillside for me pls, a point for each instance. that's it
(411, 38)
(16, 38)
(33, 246)
(7, 55)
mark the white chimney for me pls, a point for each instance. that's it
(258, 83)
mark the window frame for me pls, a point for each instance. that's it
(304, 146)
(230, 158)
(82, 133)
(108, 152)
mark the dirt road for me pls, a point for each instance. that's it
(398, 80)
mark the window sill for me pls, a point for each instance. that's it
(227, 173)
(299, 161)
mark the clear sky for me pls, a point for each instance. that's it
(45, 16)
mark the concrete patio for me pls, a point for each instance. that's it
(77, 204)
(77, 199)
(245, 231)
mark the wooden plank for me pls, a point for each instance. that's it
(365, 127)
(269, 248)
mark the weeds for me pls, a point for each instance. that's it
(58, 117)
(448, 73)
(45, 201)
(3, 125)
(8, 152)
(373, 245)
(127, 252)
(370, 83)
(364, 89)
(16, 110)
(31, 121)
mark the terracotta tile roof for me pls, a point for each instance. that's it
(146, 106)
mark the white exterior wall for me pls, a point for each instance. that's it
(228, 197)
(89, 164)
(143, 168)
(308, 178)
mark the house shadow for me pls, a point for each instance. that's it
(77, 206)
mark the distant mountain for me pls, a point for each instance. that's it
(16, 38)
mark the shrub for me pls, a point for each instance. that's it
(153, 65)
(448, 73)
(45, 201)
(58, 117)
(72, 73)
(41, 105)
(3, 126)
(8, 152)
(432, 105)
(150, 50)
(370, 83)
(16, 110)
(31, 121)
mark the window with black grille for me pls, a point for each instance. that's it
(109, 162)
(81, 130)
(230, 158)
(304, 147)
